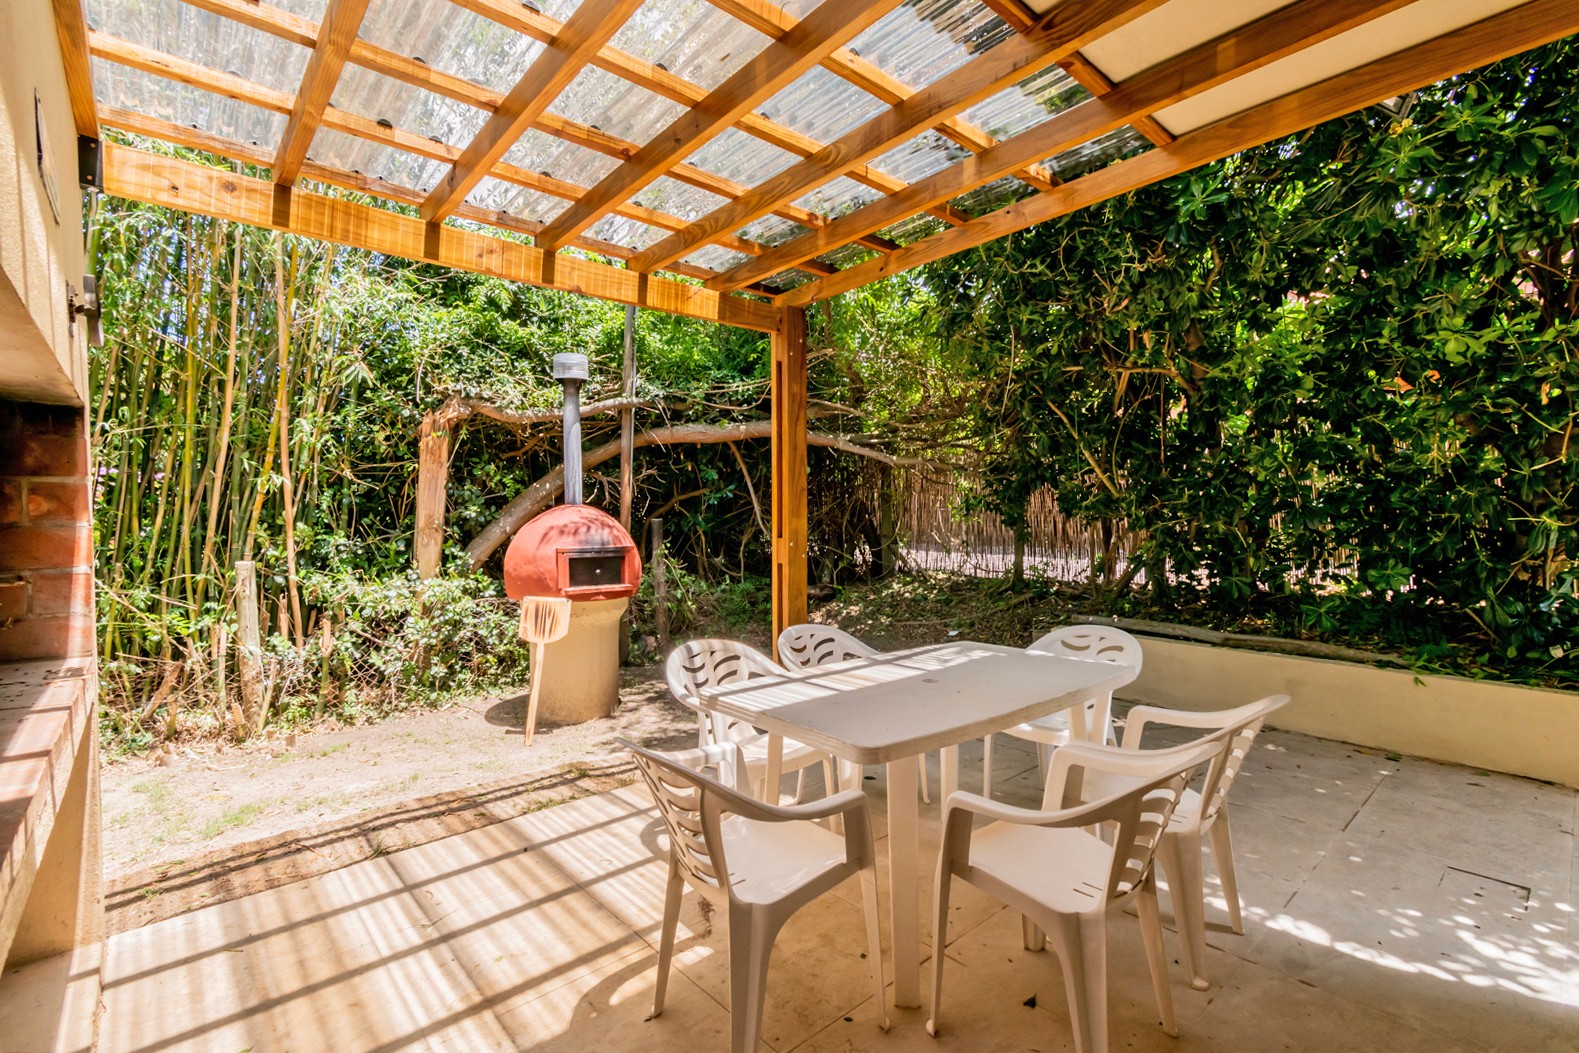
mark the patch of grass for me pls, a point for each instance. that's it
(333, 800)
(239, 816)
(330, 751)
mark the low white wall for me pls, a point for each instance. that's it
(1500, 727)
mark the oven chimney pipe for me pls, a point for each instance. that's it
(570, 370)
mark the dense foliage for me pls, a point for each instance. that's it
(1329, 384)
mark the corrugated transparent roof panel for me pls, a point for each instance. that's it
(1027, 104)
(131, 89)
(339, 150)
(993, 196)
(913, 229)
(925, 40)
(920, 157)
(631, 233)
(1121, 142)
(615, 105)
(207, 39)
(312, 9)
(409, 108)
(716, 258)
(692, 39)
(772, 230)
(823, 105)
(839, 196)
(452, 39)
(847, 256)
(517, 200)
(676, 198)
(540, 152)
(742, 158)
(789, 279)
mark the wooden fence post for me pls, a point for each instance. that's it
(660, 591)
(249, 648)
(433, 469)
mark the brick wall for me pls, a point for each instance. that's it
(46, 556)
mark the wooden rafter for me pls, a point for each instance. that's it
(419, 74)
(171, 183)
(341, 22)
(828, 27)
(594, 22)
(229, 85)
(1518, 29)
(662, 82)
(252, 154)
(72, 29)
(1206, 66)
(1007, 64)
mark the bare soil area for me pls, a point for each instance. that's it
(181, 829)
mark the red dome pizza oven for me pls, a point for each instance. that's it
(575, 551)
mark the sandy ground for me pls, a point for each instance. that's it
(207, 798)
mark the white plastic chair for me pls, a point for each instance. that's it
(759, 863)
(700, 665)
(807, 646)
(1065, 880)
(1201, 813)
(1096, 643)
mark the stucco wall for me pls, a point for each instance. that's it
(39, 359)
(1501, 727)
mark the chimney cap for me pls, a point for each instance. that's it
(570, 366)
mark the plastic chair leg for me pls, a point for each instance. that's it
(874, 940)
(751, 933)
(1223, 856)
(986, 766)
(1156, 954)
(673, 895)
(1081, 943)
(939, 941)
(1180, 855)
(926, 798)
(1033, 937)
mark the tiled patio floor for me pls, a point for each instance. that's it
(1390, 905)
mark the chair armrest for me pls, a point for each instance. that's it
(1141, 765)
(839, 804)
(1139, 716)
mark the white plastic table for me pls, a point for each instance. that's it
(890, 709)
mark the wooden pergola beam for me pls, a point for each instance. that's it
(771, 20)
(1203, 67)
(72, 28)
(827, 28)
(183, 71)
(248, 153)
(1007, 64)
(298, 30)
(594, 22)
(171, 183)
(1518, 29)
(341, 22)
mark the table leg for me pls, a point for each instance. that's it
(948, 776)
(770, 791)
(904, 897)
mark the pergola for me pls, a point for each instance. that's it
(730, 160)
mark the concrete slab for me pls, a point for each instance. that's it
(1384, 903)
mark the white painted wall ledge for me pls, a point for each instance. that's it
(1484, 724)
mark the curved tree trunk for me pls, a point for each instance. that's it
(542, 494)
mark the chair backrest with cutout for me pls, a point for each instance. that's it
(807, 646)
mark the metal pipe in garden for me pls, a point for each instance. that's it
(570, 370)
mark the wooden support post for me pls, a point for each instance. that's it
(789, 472)
(627, 455)
(249, 648)
(433, 469)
